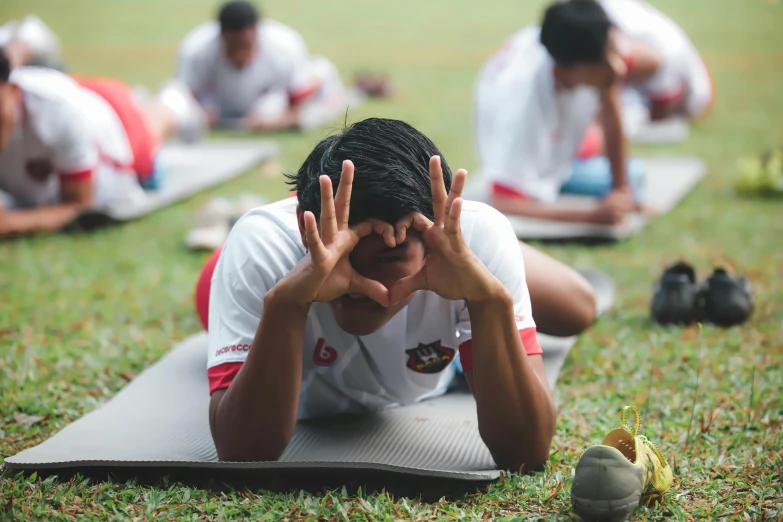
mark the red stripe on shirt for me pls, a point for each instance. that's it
(300, 95)
(221, 376)
(499, 189)
(671, 96)
(529, 341)
(82, 175)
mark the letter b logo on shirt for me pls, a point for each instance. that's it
(324, 355)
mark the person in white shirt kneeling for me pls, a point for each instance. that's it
(551, 106)
(257, 74)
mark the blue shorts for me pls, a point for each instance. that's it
(593, 177)
(158, 177)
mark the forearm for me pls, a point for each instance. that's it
(614, 139)
(42, 219)
(516, 414)
(536, 209)
(255, 418)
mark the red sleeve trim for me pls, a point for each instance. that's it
(82, 175)
(499, 189)
(221, 376)
(666, 97)
(300, 95)
(529, 341)
(630, 61)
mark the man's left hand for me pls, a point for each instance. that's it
(450, 269)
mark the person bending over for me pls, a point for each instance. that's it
(537, 100)
(257, 74)
(68, 144)
(359, 294)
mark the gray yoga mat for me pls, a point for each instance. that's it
(671, 130)
(159, 422)
(189, 169)
(668, 180)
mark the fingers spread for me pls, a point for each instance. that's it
(452, 223)
(372, 289)
(343, 200)
(457, 185)
(314, 244)
(438, 190)
(328, 217)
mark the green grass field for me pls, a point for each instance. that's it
(80, 316)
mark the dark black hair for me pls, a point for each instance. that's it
(391, 170)
(237, 15)
(575, 31)
(5, 66)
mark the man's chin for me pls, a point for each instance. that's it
(359, 316)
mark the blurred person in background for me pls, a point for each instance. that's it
(72, 143)
(618, 63)
(30, 42)
(258, 74)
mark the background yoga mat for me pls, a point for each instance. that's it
(671, 130)
(159, 423)
(668, 180)
(189, 169)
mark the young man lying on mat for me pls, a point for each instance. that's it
(537, 100)
(68, 144)
(258, 75)
(360, 298)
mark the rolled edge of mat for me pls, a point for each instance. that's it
(303, 466)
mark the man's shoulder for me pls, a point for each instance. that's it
(201, 39)
(49, 95)
(279, 37)
(516, 71)
(41, 82)
(479, 219)
(270, 230)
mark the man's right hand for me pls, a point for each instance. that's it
(325, 273)
(612, 209)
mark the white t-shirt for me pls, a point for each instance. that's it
(527, 130)
(62, 130)
(682, 67)
(281, 64)
(405, 361)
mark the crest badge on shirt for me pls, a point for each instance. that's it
(429, 358)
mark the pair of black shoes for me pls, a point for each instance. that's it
(721, 299)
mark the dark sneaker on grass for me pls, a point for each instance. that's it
(676, 298)
(727, 299)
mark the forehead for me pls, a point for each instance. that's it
(242, 35)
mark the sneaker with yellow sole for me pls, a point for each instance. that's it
(611, 479)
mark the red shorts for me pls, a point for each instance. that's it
(203, 285)
(143, 143)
